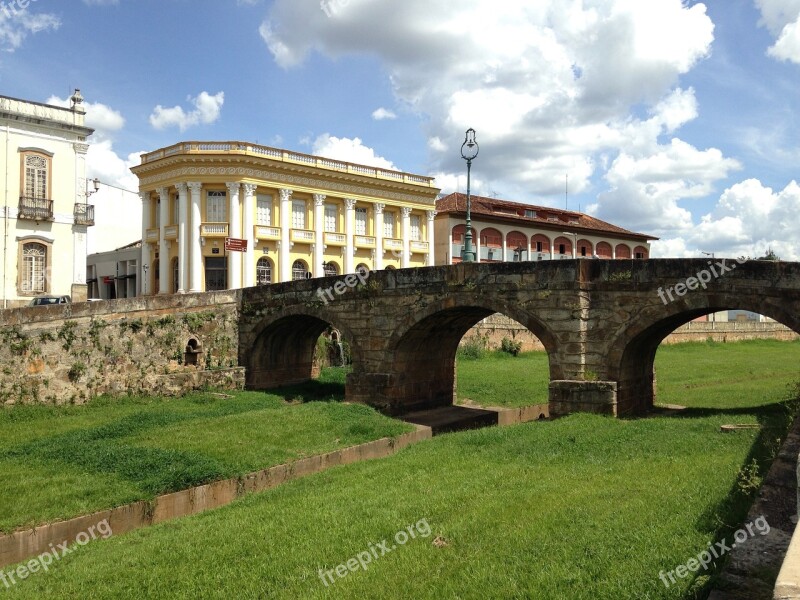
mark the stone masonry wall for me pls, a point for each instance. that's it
(72, 353)
(494, 328)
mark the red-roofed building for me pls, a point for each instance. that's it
(506, 231)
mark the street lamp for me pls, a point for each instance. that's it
(469, 151)
(95, 184)
(145, 268)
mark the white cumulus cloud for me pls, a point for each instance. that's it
(349, 150)
(782, 19)
(207, 109)
(382, 114)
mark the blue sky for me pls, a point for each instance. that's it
(678, 119)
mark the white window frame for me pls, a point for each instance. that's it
(298, 214)
(416, 228)
(388, 225)
(264, 209)
(361, 221)
(331, 218)
(216, 209)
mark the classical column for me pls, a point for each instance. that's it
(144, 262)
(528, 255)
(378, 221)
(431, 238)
(319, 235)
(505, 247)
(406, 212)
(163, 260)
(349, 226)
(286, 224)
(249, 278)
(234, 231)
(195, 248)
(183, 227)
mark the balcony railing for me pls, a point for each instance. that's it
(214, 230)
(267, 233)
(84, 214)
(35, 209)
(392, 244)
(419, 246)
(335, 239)
(302, 235)
(364, 241)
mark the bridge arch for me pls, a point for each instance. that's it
(632, 353)
(423, 351)
(283, 347)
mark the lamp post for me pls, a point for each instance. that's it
(469, 151)
(145, 268)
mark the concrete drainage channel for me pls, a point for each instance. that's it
(25, 544)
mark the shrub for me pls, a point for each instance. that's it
(472, 348)
(510, 346)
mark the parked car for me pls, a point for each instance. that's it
(48, 300)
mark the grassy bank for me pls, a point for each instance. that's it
(58, 462)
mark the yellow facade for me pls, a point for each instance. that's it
(299, 216)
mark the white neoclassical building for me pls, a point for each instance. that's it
(46, 214)
(284, 216)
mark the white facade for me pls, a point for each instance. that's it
(45, 209)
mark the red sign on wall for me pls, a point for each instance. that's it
(235, 245)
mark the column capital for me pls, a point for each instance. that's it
(319, 199)
(233, 187)
(250, 188)
(379, 208)
(145, 196)
(286, 195)
(406, 211)
(163, 193)
(182, 187)
(349, 203)
(194, 186)
(432, 215)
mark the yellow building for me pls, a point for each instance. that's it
(299, 216)
(45, 210)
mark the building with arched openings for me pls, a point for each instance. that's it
(297, 216)
(504, 231)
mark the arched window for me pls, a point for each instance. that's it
(331, 269)
(641, 252)
(603, 250)
(263, 271)
(623, 251)
(299, 270)
(585, 248)
(34, 265)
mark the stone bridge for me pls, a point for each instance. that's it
(600, 322)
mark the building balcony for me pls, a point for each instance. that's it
(152, 236)
(364, 241)
(84, 214)
(171, 232)
(214, 230)
(263, 232)
(304, 236)
(417, 246)
(35, 209)
(335, 239)
(392, 244)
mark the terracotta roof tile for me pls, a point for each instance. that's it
(515, 211)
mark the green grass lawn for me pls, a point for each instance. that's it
(59, 462)
(584, 507)
(698, 374)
